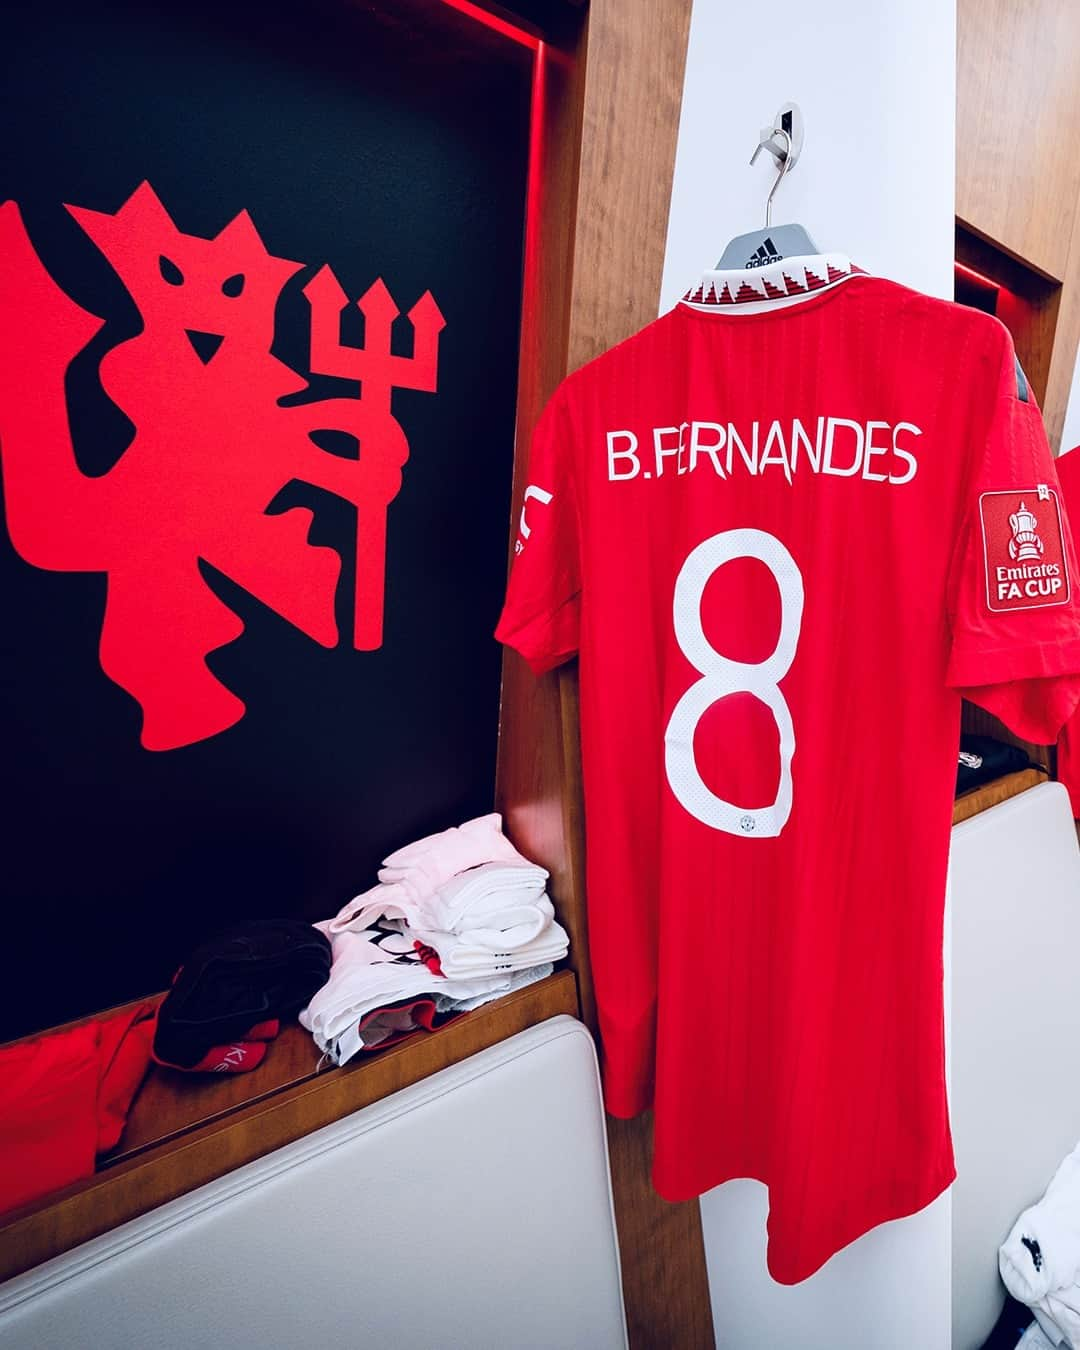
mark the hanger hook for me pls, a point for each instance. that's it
(785, 164)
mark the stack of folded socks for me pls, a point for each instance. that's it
(459, 916)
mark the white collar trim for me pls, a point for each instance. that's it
(756, 290)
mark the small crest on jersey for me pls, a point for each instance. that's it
(1024, 549)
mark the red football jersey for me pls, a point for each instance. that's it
(786, 526)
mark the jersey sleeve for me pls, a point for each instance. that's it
(1014, 610)
(541, 616)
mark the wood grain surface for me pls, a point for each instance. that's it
(1066, 346)
(997, 790)
(612, 104)
(1018, 109)
(1017, 171)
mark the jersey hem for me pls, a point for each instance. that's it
(888, 1214)
(796, 1272)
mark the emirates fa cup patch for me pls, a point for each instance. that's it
(1024, 549)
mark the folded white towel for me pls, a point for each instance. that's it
(1040, 1259)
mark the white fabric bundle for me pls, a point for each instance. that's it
(461, 956)
(371, 969)
(1040, 1259)
(466, 893)
(493, 896)
(410, 877)
(497, 897)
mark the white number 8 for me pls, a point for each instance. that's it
(720, 677)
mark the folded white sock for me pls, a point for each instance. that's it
(469, 898)
(510, 929)
(462, 958)
(423, 867)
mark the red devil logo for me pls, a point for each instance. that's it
(213, 445)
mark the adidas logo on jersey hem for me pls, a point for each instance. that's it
(766, 284)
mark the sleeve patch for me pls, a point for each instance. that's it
(1023, 549)
(532, 493)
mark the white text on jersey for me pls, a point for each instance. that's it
(838, 446)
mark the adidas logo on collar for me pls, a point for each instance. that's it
(770, 283)
(764, 255)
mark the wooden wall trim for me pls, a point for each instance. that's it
(1018, 98)
(602, 239)
(1017, 178)
(1066, 341)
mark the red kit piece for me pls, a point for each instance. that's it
(786, 527)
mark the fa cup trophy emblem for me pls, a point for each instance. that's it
(1025, 544)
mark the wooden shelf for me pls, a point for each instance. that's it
(997, 790)
(184, 1131)
(170, 1103)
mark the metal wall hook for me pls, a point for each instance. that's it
(785, 161)
(784, 141)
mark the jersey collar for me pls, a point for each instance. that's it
(778, 285)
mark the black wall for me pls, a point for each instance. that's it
(384, 140)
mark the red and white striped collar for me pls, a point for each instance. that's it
(754, 290)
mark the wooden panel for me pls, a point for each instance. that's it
(206, 1151)
(1018, 104)
(990, 794)
(538, 776)
(611, 213)
(1017, 177)
(680, 1312)
(170, 1103)
(1066, 343)
(633, 96)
